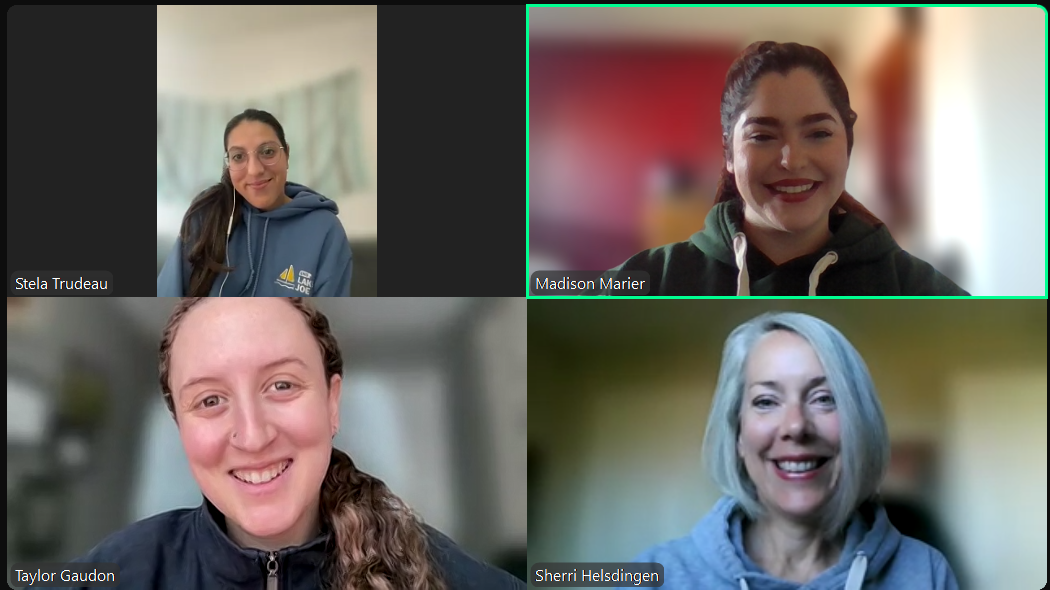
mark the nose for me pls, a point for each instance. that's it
(793, 155)
(255, 165)
(796, 422)
(252, 430)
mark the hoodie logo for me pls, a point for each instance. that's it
(302, 283)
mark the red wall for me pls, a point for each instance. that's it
(600, 117)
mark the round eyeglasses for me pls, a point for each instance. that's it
(237, 159)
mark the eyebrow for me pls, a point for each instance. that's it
(288, 360)
(774, 122)
(265, 143)
(776, 386)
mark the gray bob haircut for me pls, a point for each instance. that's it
(865, 449)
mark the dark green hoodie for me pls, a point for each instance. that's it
(859, 260)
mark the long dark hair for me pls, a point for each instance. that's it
(378, 541)
(204, 226)
(765, 57)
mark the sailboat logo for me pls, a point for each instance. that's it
(287, 278)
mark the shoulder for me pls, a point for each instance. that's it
(918, 556)
(460, 570)
(136, 547)
(918, 277)
(655, 259)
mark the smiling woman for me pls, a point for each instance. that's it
(798, 443)
(783, 223)
(254, 233)
(254, 388)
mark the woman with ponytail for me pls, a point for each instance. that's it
(254, 390)
(254, 234)
(783, 223)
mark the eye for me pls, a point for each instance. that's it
(763, 402)
(209, 402)
(760, 138)
(237, 157)
(283, 386)
(824, 398)
(822, 134)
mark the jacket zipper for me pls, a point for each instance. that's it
(271, 572)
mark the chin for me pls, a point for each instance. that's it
(266, 521)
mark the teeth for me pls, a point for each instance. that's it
(793, 189)
(264, 476)
(797, 466)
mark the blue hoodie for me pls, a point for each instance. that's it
(876, 556)
(297, 250)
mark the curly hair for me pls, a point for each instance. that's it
(379, 543)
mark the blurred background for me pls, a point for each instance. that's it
(312, 67)
(620, 397)
(625, 139)
(434, 404)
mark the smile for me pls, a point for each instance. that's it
(261, 476)
(800, 470)
(258, 185)
(793, 194)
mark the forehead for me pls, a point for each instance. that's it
(250, 134)
(219, 336)
(788, 98)
(781, 353)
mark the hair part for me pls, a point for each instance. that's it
(203, 231)
(769, 57)
(377, 540)
(865, 449)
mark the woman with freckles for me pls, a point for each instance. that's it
(783, 223)
(254, 388)
(797, 442)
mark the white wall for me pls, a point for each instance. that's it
(503, 340)
(985, 100)
(224, 65)
(996, 461)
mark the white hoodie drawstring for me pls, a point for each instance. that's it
(822, 265)
(743, 281)
(856, 572)
(854, 580)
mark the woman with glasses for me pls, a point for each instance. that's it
(254, 234)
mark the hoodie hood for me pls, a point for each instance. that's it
(852, 242)
(299, 249)
(871, 541)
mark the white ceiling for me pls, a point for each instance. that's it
(357, 322)
(207, 23)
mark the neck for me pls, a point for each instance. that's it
(305, 530)
(789, 550)
(780, 246)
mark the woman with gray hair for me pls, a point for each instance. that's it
(797, 441)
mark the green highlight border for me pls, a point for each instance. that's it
(528, 164)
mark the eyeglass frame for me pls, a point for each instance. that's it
(226, 157)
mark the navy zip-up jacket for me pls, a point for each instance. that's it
(189, 548)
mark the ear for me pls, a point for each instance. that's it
(335, 391)
(729, 166)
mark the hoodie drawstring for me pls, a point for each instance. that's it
(856, 572)
(854, 580)
(743, 281)
(251, 262)
(822, 265)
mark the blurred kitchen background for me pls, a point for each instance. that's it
(312, 67)
(434, 404)
(950, 148)
(620, 397)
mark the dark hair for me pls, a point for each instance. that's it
(204, 226)
(378, 541)
(766, 57)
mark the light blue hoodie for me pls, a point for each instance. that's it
(297, 250)
(876, 556)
